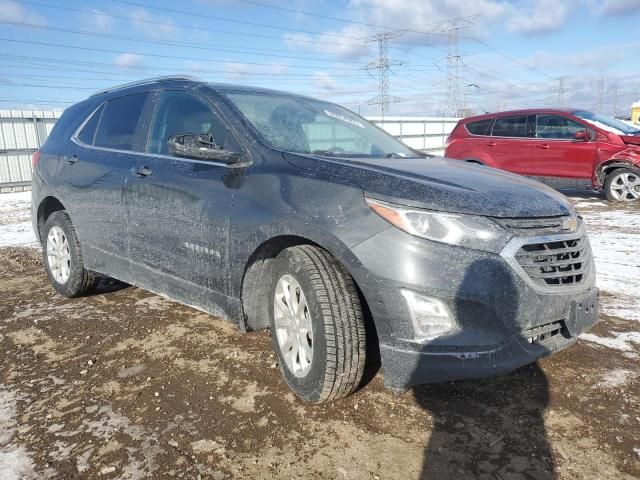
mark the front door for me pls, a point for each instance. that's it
(179, 208)
(565, 160)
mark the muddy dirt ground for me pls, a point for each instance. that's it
(126, 384)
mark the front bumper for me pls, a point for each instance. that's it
(499, 311)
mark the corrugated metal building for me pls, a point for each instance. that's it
(21, 133)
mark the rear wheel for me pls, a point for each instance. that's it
(62, 257)
(317, 324)
(623, 185)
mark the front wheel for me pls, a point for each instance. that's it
(317, 324)
(623, 185)
(62, 257)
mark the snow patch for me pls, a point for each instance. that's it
(621, 341)
(616, 378)
(15, 461)
(15, 220)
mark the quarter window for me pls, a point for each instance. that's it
(516, 126)
(181, 113)
(119, 122)
(481, 127)
(88, 133)
(556, 126)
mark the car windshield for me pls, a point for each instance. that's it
(609, 124)
(303, 125)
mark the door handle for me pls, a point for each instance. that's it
(71, 159)
(544, 146)
(491, 144)
(143, 172)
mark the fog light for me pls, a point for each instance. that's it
(431, 317)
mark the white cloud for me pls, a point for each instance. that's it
(620, 7)
(98, 21)
(324, 82)
(164, 29)
(128, 60)
(346, 43)
(14, 12)
(236, 71)
(597, 60)
(539, 16)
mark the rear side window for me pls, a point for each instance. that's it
(516, 126)
(88, 133)
(119, 122)
(481, 127)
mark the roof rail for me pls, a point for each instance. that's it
(146, 81)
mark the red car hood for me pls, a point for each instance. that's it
(631, 139)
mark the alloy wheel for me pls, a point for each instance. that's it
(58, 255)
(294, 330)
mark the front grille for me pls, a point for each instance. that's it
(534, 226)
(543, 332)
(557, 263)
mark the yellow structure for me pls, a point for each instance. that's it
(635, 113)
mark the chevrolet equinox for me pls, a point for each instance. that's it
(280, 211)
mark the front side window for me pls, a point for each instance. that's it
(557, 126)
(179, 113)
(119, 122)
(303, 125)
(516, 126)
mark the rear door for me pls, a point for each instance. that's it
(560, 156)
(104, 149)
(179, 208)
(472, 143)
(511, 145)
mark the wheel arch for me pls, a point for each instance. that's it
(255, 290)
(605, 168)
(47, 206)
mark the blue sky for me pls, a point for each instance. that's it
(511, 53)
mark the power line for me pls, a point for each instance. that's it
(383, 65)
(452, 30)
(188, 27)
(157, 55)
(509, 57)
(230, 20)
(218, 48)
(561, 90)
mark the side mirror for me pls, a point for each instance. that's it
(583, 135)
(200, 147)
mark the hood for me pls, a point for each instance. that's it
(631, 139)
(443, 185)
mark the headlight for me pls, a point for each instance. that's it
(469, 231)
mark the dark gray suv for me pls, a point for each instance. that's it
(284, 212)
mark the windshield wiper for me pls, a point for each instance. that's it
(331, 153)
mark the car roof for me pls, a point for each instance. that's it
(179, 80)
(527, 111)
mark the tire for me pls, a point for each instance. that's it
(67, 274)
(622, 185)
(337, 342)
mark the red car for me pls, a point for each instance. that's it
(562, 148)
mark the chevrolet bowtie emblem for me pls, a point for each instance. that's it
(570, 224)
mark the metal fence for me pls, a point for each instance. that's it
(427, 134)
(22, 132)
